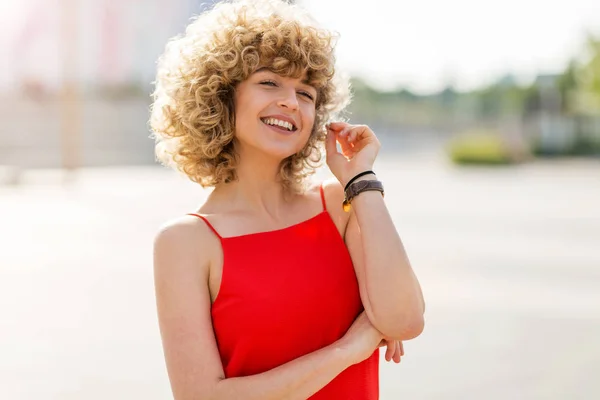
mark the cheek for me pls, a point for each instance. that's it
(245, 117)
(244, 103)
(308, 118)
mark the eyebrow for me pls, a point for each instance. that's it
(303, 81)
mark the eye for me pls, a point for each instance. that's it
(268, 83)
(307, 95)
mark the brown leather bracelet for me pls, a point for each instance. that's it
(358, 187)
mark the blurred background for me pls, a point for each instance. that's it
(489, 116)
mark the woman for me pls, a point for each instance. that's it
(272, 289)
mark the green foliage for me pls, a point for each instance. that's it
(589, 73)
(574, 92)
(579, 84)
(567, 85)
(480, 147)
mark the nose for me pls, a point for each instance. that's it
(288, 100)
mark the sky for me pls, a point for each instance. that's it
(422, 45)
(425, 44)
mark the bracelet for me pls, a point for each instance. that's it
(359, 187)
(356, 177)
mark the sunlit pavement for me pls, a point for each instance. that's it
(509, 260)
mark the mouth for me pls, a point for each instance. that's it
(279, 124)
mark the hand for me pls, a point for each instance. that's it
(394, 350)
(359, 149)
(361, 339)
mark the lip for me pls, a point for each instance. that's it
(283, 118)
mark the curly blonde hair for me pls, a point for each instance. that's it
(192, 118)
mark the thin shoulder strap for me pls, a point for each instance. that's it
(203, 218)
(323, 197)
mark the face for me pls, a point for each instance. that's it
(274, 114)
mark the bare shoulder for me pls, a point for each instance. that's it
(333, 190)
(186, 238)
(334, 197)
(183, 249)
(186, 248)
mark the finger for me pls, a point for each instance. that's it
(397, 353)
(344, 132)
(391, 348)
(355, 133)
(333, 156)
(338, 126)
(362, 132)
(331, 144)
(401, 348)
(345, 145)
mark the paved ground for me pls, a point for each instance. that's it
(509, 260)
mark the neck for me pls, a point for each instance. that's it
(257, 188)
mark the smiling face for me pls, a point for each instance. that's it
(274, 114)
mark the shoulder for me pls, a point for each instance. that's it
(333, 189)
(184, 231)
(182, 256)
(334, 197)
(184, 242)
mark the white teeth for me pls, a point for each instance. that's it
(278, 122)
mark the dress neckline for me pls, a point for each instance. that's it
(278, 230)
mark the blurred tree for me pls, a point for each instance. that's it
(589, 75)
(448, 96)
(576, 91)
(502, 98)
(588, 78)
(531, 99)
(567, 86)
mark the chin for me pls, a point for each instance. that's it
(280, 153)
(277, 149)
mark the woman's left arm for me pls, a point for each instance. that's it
(389, 289)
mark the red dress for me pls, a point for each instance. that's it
(287, 293)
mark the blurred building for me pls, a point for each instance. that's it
(114, 42)
(106, 51)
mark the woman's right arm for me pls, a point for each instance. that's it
(181, 268)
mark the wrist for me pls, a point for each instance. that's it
(359, 175)
(356, 187)
(342, 352)
(368, 177)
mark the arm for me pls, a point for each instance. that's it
(193, 363)
(298, 379)
(389, 288)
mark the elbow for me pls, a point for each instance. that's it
(401, 327)
(413, 329)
